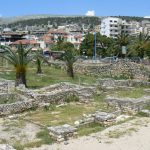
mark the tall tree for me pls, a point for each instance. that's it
(69, 56)
(142, 44)
(122, 41)
(19, 59)
(104, 45)
(39, 57)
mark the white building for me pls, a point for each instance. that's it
(146, 27)
(113, 26)
(135, 28)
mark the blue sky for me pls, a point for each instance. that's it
(75, 7)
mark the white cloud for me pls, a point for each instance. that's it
(90, 13)
(147, 17)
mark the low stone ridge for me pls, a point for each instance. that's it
(115, 69)
(6, 109)
(102, 118)
(124, 84)
(57, 93)
(126, 105)
(6, 147)
(145, 111)
(147, 91)
(54, 94)
(62, 133)
(6, 85)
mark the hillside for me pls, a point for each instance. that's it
(57, 21)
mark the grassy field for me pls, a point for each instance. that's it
(50, 75)
(136, 92)
(67, 114)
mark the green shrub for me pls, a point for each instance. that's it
(44, 136)
(71, 98)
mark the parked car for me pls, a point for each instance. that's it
(110, 59)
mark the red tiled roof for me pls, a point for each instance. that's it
(24, 42)
(57, 31)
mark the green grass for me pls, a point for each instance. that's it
(44, 136)
(91, 128)
(120, 133)
(58, 116)
(133, 93)
(8, 99)
(68, 114)
(50, 75)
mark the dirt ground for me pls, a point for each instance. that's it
(132, 135)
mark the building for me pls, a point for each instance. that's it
(8, 37)
(74, 38)
(146, 27)
(26, 43)
(135, 28)
(113, 26)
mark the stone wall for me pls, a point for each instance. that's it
(119, 69)
(128, 105)
(7, 109)
(6, 85)
(54, 94)
(114, 84)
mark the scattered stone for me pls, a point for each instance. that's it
(104, 118)
(128, 105)
(66, 143)
(11, 117)
(76, 123)
(44, 105)
(62, 133)
(145, 111)
(61, 105)
(6, 147)
(122, 118)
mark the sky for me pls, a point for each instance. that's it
(75, 7)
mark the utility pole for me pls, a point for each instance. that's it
(94, 53)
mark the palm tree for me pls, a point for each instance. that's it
(69, 56)
(122, 41)
(142, 43)
(19, 59)
(39, 57)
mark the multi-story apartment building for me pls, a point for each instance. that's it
(135, 28)
(113, 26)
(146, 27)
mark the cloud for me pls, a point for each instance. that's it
(90, 13)
(147, 17)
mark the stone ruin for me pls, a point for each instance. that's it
(6, 147)
(65, 132)
(28, 99)
(111, 84)
(62, 133)
(125, 105)
(128, 70)
(128, 105)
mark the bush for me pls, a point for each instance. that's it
(44, 136)
(71, 98)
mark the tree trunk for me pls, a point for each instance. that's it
(39, 69)
(70, 70)
(20, 79)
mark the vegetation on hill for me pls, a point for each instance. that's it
(57, 21)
